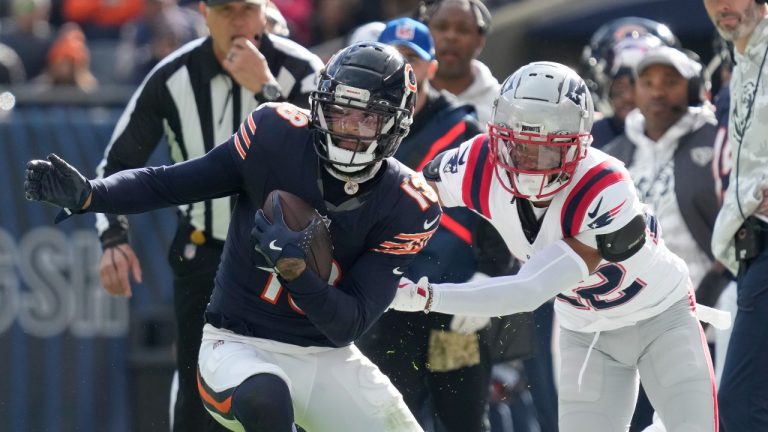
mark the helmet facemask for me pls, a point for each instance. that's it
(538, 165)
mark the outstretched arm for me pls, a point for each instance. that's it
(133, 191)
(560, 265)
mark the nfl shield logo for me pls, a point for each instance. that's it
(405, 32)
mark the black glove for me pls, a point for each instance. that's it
(275, 240)
(56, 182)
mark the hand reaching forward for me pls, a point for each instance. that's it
(413, 297)
(56, 182)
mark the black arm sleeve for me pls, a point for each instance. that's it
(211, 176)
(620, 245)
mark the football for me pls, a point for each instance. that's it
(298, 214)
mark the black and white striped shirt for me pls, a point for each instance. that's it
(196, 105)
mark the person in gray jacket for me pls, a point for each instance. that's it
(667, 147)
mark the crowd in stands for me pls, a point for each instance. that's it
(122, 40)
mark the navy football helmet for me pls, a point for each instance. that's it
(362, 108)
(616, 48)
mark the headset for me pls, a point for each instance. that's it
(698, 85)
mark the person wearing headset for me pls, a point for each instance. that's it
(667, 146)
(740, 237)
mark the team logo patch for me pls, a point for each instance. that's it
(605, 218)
(577, 91)
(457, 158)
(410, 78)
(405, 32)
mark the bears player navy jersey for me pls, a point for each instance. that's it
(375, 233)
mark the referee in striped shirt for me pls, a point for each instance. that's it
(196, 98)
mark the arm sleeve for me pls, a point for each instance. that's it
(541, 278)
(144, 189)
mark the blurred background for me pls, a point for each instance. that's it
(76, 359)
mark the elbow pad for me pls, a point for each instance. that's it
(431, 170)
(623, 243)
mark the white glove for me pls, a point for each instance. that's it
(468, 324)
(412, 297)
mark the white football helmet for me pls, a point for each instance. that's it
(540, 129)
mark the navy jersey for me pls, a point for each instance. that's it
(375, 233)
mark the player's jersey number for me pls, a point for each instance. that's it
(418, 189)
(606, 291)
(273, 289)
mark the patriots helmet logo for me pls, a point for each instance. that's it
(607, 217)
(577, 90)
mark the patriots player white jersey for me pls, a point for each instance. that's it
(600, 199)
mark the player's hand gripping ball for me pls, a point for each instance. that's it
(289, 233)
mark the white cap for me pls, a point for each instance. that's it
(686, 66)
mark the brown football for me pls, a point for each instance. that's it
(298, 214)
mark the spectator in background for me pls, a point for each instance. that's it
(11, 68)
(102, 18)
(667, 147)
(609, 60)
(740, 237)
(164, 27)
(459, 28)
(366, 32)
(437, 358)
(68, 62)
(333, 18)
(27, 32)
(298, 15)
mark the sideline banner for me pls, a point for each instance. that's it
(73, 356)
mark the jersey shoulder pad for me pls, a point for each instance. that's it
(467, 174)
(602, 200)
(414, 212)
(276, 123)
